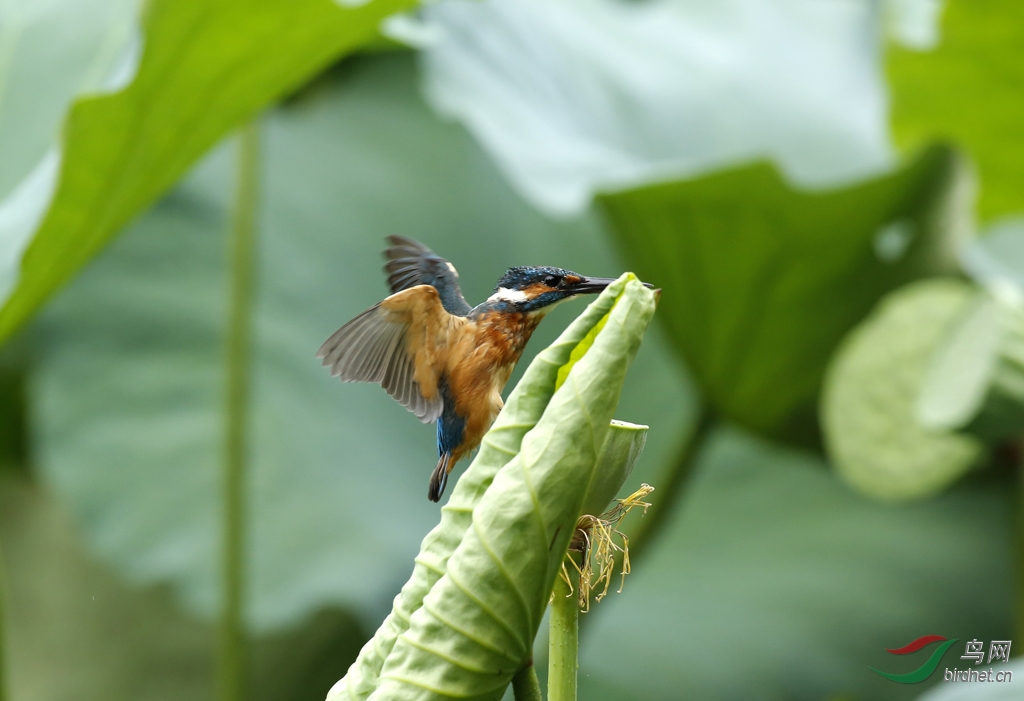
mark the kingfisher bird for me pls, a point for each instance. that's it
(441, 359)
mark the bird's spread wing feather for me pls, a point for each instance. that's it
(410, 263)
(399, 344)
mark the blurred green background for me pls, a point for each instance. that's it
(779, 169)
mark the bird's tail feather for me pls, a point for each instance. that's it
(439, 477)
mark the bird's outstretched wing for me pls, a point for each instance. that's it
(410, 263)
(399, 344)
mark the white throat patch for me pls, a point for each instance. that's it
(504, 294)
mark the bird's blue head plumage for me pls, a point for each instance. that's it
(533, 288)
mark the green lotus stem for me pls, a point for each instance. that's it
(231, 659)
(525, 685)
(564, 639)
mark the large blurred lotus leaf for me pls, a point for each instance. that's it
(970, 90)
(776, 582)
(869, 404)
(53, 50)
(996, 259)
(975, 380)
(476, 627)
(761, 281)
(50, 51)
(13, 411)
(127, 396)
(111, 641)
(115, 641)
(206, 67)
(579, 96)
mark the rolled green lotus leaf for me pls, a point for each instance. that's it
(476, 626)
(619, 454)
(523, 409)
(975, 382)
(622, 446)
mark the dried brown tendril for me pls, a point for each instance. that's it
(594, 538)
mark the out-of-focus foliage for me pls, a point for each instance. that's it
(969, 89)
(476, 626)
(53, 50)
(50, 51)
(762, 281)
(776, 581)
(984, 394)
(975, 380)
(129, 359)
(996, 259)
(578, 96)
(74, 629)
(93, 640)
(932, 376)
(13, 403)
(206, 66)
(869, 405)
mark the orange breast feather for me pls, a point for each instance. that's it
(481, 363)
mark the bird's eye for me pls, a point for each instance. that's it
(552, 280)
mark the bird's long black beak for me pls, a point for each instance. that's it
(593, 285)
